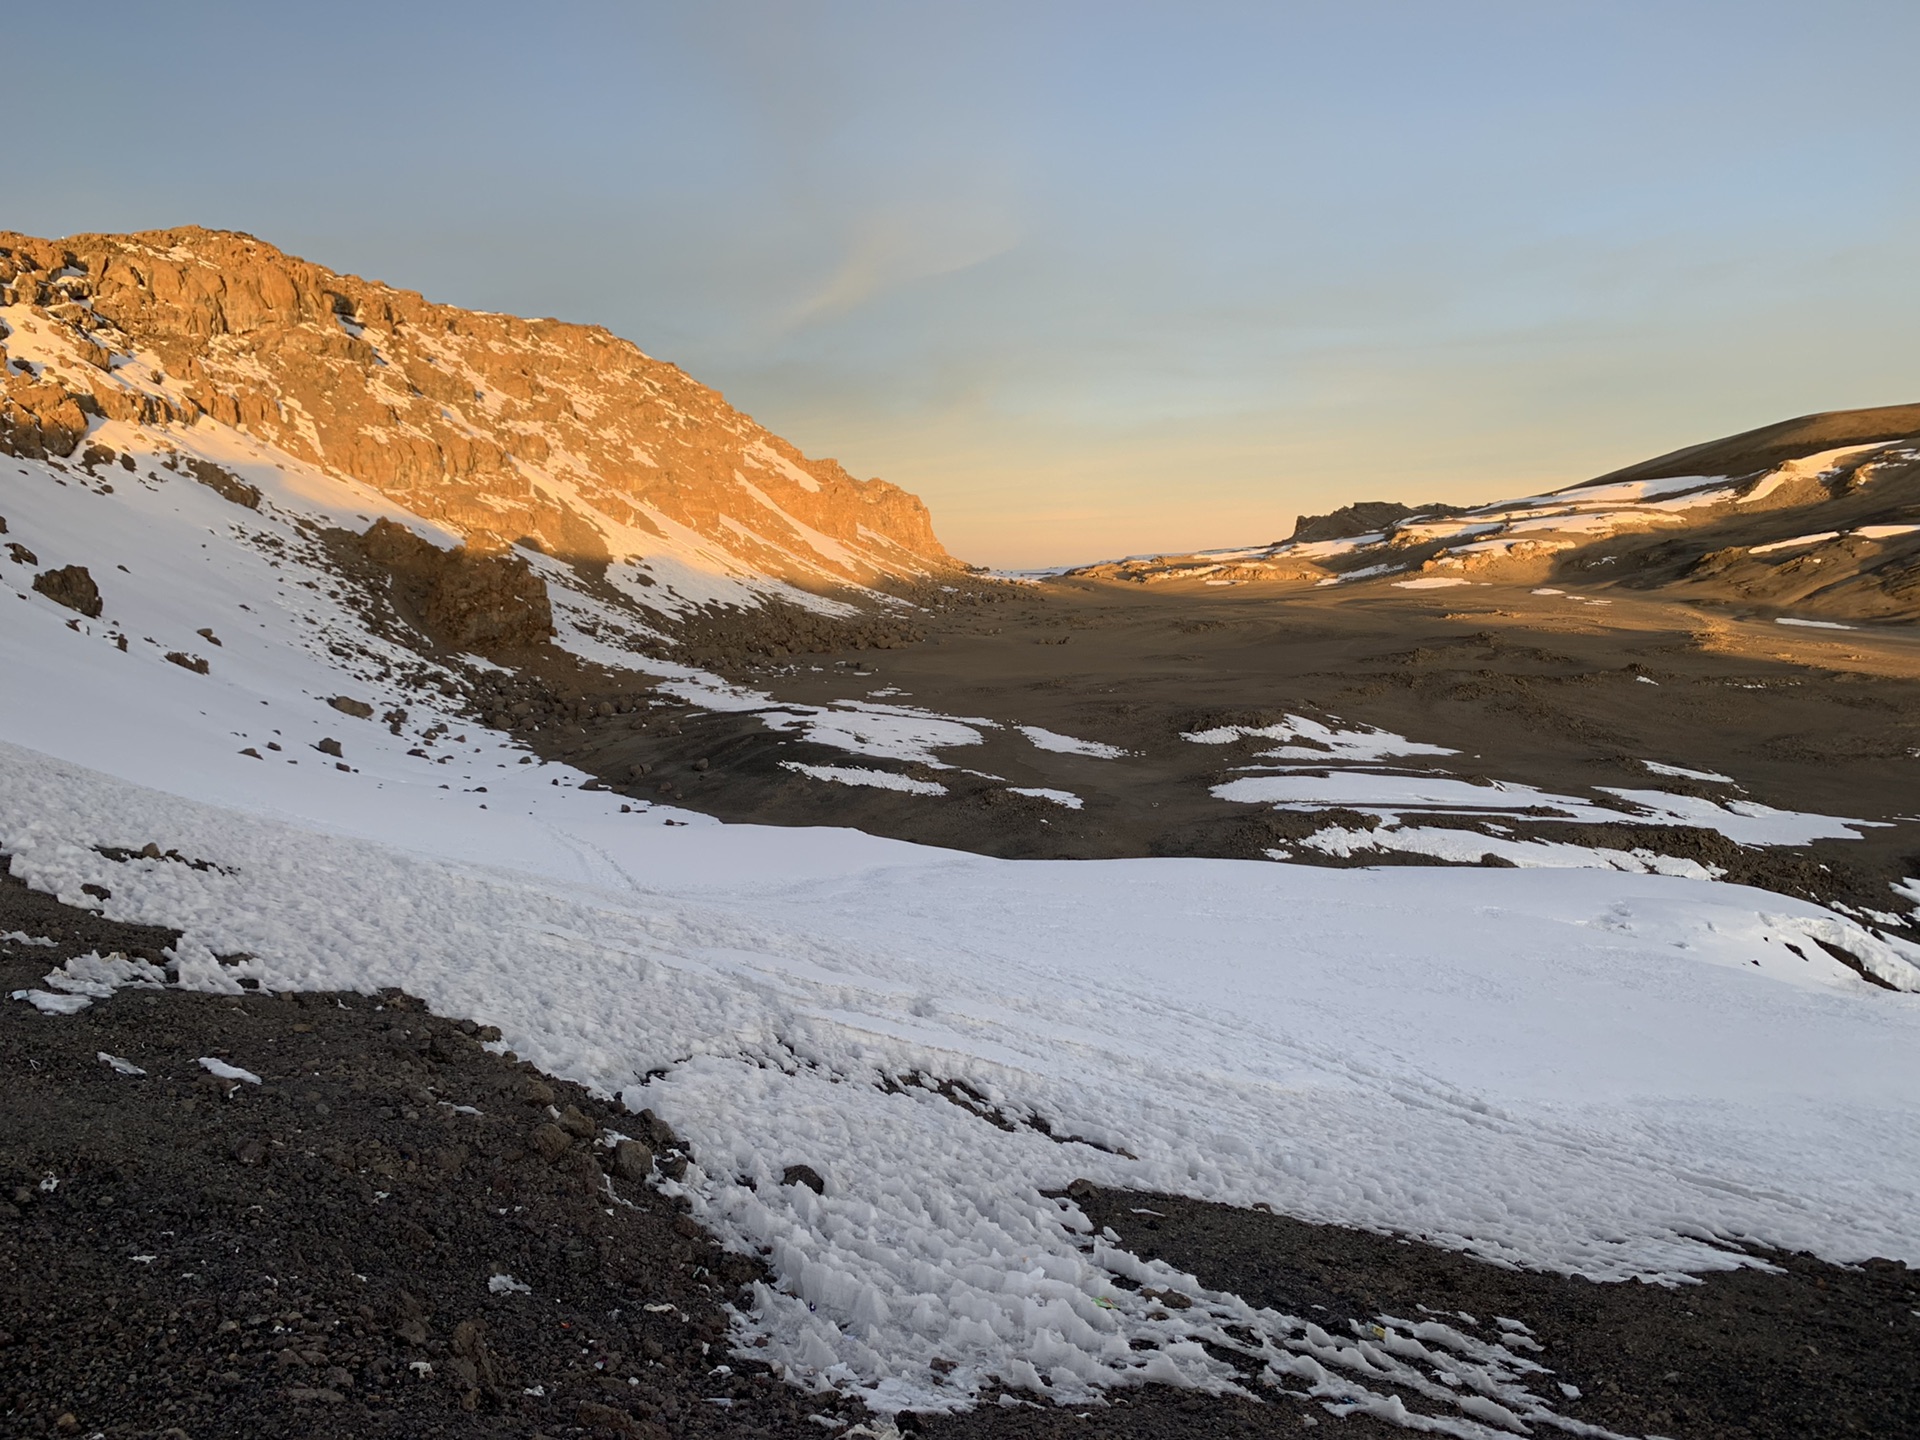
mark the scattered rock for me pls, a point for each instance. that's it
(250, 1151)
(188, 662)
(632, 1161)
(223, 482)
(346, 705)
(329, 746)
(549, 1141)
(804, 1175)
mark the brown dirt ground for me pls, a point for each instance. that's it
(1545, 690)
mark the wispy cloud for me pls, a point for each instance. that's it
(900, 247)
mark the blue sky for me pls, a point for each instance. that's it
(1091, 278)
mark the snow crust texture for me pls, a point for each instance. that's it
(1606, 1074)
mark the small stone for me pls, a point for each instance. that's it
(329, 746)
(574, 1123)
(250, 1151)
(632, 1161)
(346, 705)
(539, 1092)
(804, 1175)
(549, 1141)
(702, 764)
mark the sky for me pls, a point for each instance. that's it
(1092, 279)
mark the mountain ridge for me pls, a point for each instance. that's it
(559, 437)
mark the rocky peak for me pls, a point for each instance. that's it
(564, 438)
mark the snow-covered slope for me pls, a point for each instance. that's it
(1592, 1071)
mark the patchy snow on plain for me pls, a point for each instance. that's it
(1067, 745)
(1316, 741)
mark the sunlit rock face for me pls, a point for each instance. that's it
(504, 430)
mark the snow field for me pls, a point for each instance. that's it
(1579, 1070)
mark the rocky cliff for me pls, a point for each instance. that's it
(563, 438)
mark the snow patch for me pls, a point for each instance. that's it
(1067, 745)
(873, 779)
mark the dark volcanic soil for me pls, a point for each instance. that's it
(1550, 691)
(312, 1256)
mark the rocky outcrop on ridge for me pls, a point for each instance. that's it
(1363, 517)
(561, 437)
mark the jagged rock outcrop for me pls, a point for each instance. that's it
(38, 420)
(1363, 517)
(71, 586)
(503, 430)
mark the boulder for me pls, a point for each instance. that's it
(72, 587)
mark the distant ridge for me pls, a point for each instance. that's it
(1770, 445)
(1818, 516)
